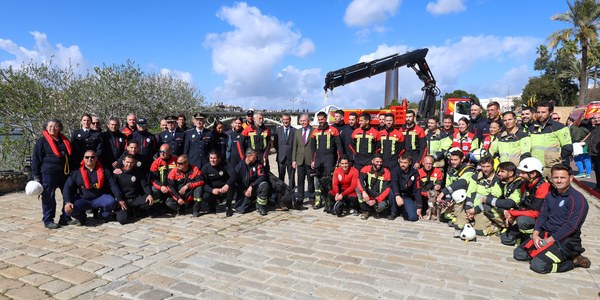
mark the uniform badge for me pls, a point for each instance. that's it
(193, 135)
(562, 202)
(412, 178)
(139, 163)
(165, 136)
(121, 140)
(79, 135)
(220, 173)
(253, 169)
(133, 179)
(339, 177)
(148, 140)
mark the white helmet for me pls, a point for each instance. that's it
(452, 150)
(477, 154)
(33, 188)
(459, 195)
(468, 233)
(531, 164)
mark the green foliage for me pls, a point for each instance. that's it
(394, 102)
(549, 87)
(460, 94)
(35, 93)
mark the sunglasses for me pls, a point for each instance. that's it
(89, 157)
(95, 122)
(162, 152)
(181, 163)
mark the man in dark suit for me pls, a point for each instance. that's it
(301, 158)
(284, 140)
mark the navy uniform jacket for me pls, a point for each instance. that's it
(235, 148)
(113, 145)
(407, 184)
(197, 146)
(133, 183)
(147, 144)
(44, 162)
(75, 188)
(82, 141)
(175, 139)
(562, 215)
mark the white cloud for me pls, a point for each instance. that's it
(247, 57)
(184, 76)
(363, 13)
(442, 7)
(450, 64)
(42, 52)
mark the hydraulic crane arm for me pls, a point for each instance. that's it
(414, 59)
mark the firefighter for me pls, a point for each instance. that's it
(130, 125)
(132, 149)
(550, 140)
(492, 137)
(258, 137)
(414, 139)
(521, 220)
(198, 142)
(513, 144)
(218, 184)
(326, 148)
(235, 143)
(459, 175)
(114, 142)
(463, 139)
(252, 184)
(345, 131)
(147, 143)
(353, 120)
(392, 143)
(85, 139)
(159, 172)
(430, 178)
(173, 136)
(90, 187)
(342, 195)
(481, 184)
(136, 193)
(437, 142)
(511, 195)
(406, 191)
(365, 141)
(374, 185)
(527, 119)
(448, 126)
(184, 183)
(555, 245)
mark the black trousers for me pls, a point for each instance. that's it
(123, 216)
(304, 174)
(286, 167)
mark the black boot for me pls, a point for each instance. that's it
(196, 211)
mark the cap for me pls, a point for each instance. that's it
(171, 118)
(142, 121)
(250, 113)
(199, 116)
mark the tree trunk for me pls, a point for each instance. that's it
(583, 82)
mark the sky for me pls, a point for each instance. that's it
(275, 54)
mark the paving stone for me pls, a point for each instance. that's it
(36, 279)
(157, 280)
(227, 268)
(186, 288)
(6, 284)
(55, 286)
(14, 272)
(155, 294)
(120, 272)
(80, 289)
(46, 267)
(110, 261)
(26, 293)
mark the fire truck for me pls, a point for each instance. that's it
(414, 60)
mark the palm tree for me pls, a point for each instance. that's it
(584, 16)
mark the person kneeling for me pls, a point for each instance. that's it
(252, 184)
(90, 187)
(555, 245)
(406, 191)
(218, 181)
(135, 190)
(184, 183)
(343, 189)
(374, 184)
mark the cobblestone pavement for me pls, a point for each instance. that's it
(293, 255)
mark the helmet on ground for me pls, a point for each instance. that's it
(381, 206)
(531, 164)
(459, 195)
(468, 233)
(33, 188)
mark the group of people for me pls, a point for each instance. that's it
(489, 172)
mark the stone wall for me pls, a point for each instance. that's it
(12, 181)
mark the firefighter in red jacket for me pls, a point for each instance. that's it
(533, 190)
(431, 178)
(414, 139)
(392, 143)
(184, 183)
(374, 183)
(159, 173)
(343, 189)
